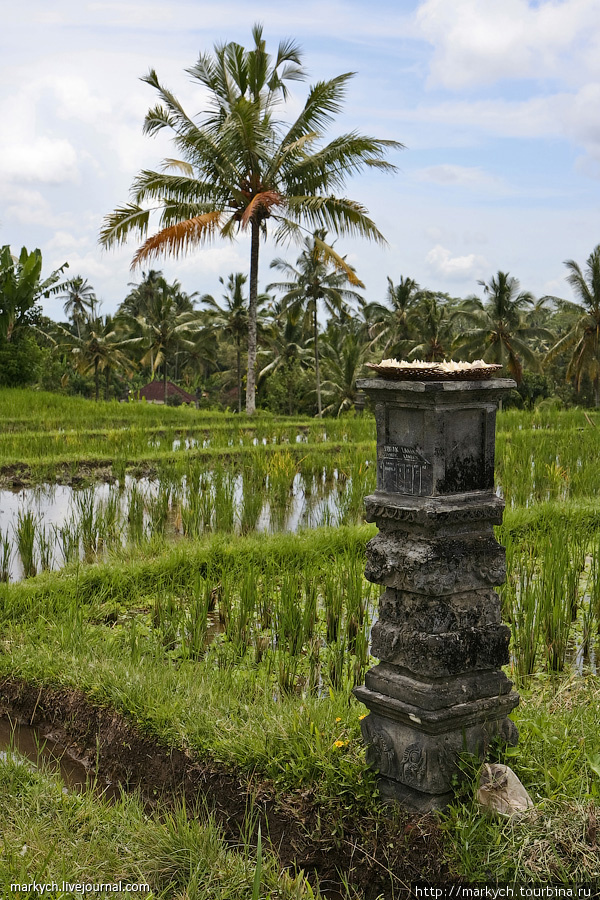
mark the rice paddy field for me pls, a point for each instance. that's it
(183, 607)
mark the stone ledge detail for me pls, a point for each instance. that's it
(435, 566)
(437, 655)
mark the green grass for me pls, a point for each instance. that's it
(558, 761)
(271, 696)
(49, 836)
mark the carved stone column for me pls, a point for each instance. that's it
(438, 689)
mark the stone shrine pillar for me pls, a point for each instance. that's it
(438, 689)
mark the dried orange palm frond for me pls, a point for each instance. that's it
(178, 238)
(264, 201)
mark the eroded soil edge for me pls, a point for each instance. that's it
(377, 859)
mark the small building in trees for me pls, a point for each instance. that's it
(154, 392)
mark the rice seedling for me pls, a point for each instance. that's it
(85, 510)
(196, 619)
(241, 615)
(45, 547)
(337, 659)
(26, 531)
(135, 515)
(252, 498)
(167, 618)
(560, 569)
(204, 503)
(109, 521)
(5, 556)
(224, 489)
(593, 584)
(158, 511)
(289, 620)
(333, 602)
(68, 538)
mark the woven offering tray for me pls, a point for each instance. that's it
(446, 371)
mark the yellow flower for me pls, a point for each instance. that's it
(338, 719)
(339, 743)
(364, 716)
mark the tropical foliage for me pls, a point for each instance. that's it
(500, 331)
(315, 281)
(582, 340)
(315, 332)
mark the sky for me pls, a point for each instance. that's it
(497, 104)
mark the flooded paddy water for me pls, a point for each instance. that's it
(49, 525)
(39, 750)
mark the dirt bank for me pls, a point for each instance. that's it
(380, 858)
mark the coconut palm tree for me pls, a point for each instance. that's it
(583, 339)
(315, 279)
(344, 354)
(431, 327)
(500, 332)
(147, 300)
(138, 298)
(391, 324)
(231, 319)
(165, 330)
(100, 347)
(80, 301)
(241, 167)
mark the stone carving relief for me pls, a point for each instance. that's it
(414, 765)
(381, 750)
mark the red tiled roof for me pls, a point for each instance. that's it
(155, 390)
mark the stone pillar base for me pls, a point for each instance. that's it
(411, 799)
(416, 751)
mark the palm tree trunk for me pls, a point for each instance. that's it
(106, 383)
(252, 303)
(239, 373)
(165, 380)
(97, 379)
(317, 373)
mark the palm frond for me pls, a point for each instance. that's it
(179, 164)
(149, 185)
(180, 237)
(337, 214)
(338, 262)
(324, 101)
(346, 155)
(261, 205)
(171, 114)
(125, 220)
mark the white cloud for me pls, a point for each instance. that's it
(75, 99)
(40, 159)
(455, 268)
(28, 207)
(472, 178)
(475, 237)
(65, 242)
(481, 41)
(571, 116)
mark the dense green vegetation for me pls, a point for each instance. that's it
(243, 650)
(303, 367)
